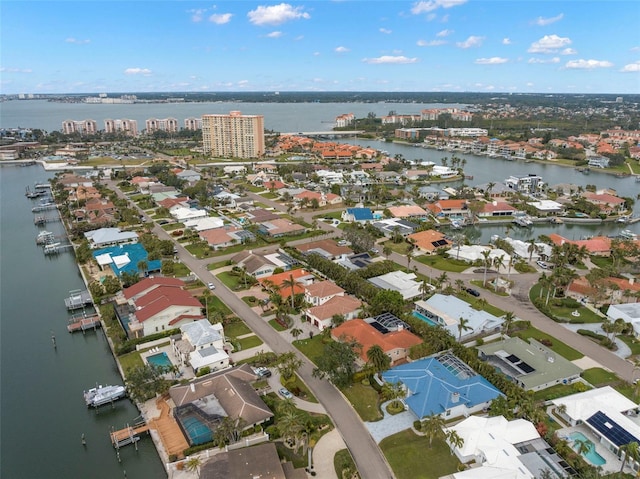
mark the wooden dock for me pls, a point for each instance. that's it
(128, 435)
(83, 323)
(78, 299)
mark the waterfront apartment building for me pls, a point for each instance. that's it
(193, 124)
(233, 135)
(128, 127)
(170, 125)
(84, 127)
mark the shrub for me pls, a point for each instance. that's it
(203, 371)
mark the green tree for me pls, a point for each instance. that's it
(631, 452)
(454, 440)
(193, 465)
(337, 362)
(487, 262)
(378, 358)
(144, 382)
(288, 364)
(290, 283)
(432, 426)
(394, 392)
(463, 325)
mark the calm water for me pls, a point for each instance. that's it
(43, 414)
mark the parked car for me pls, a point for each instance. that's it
(542, 264)
(262, 372)
(211, 286)
(472, 292)
(343, 243)
(284, 392)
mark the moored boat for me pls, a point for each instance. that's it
(100, 395)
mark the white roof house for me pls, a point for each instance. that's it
(628, 312)
(180, 213)
(329, 177)
(109, 237)
(446, 310)
(605, 411)
(521, 249)
(399, 281)
(471, 253)
(489, 441)
(202, 345)
(204, 224)
(189, 175)
(547, 206)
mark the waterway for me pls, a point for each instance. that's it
(43, 414)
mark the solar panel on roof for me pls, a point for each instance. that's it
(379, 327)
(512, 358)
(439, 243)
(611, 429)
(525, 367)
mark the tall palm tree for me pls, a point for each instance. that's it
(459, 284)
(290, 283)
(425, 288)
(531, 248)
(432, 427)
(463, 325)
(454, 440)
(508, 320)
(487, 261)
(631, 451)
(378, 358)
(394, 391)
(444, 277)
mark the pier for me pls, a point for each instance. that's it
(42, 186)
(55, 248)
(78, 299)
(43, 220)
(83, 323)
(128, 435)
(45, 207)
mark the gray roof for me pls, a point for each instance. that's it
(200, 332)
(109, 235)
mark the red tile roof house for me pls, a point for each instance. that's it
(625, 290)
(219, 238)
(275, 283)
(497, 208)
(323, 199)
(395, 344)
(598, 245)
(408, 212)
(148, 284)
(163, 308)
(448, 208)
(319, 293)
(607, 203)
(347, 306)
(429, 241)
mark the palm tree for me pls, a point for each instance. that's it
(394, 392)
(583, 446)
(290, 283)
(508, 320)
(459, 284)
(442, 278)
(425, 288)
(296, 332)
(531, 248)
(288, 364)
(458, 240)
(454, 440)
(378, 358)
(487, 261)
(463, 325)
(193, 465)
(386, 251)
(432, 427)
(142, 267)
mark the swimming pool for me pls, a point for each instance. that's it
(422, 317)
(160, 359)
(592, 456)
(198, 432)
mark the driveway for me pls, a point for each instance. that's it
(390, 424)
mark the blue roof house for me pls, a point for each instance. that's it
(125, 258)
(357, 214)
(442, 385)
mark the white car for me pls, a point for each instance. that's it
(285, 393)
(542, 264)
(211, 286)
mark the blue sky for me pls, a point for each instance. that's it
(431, 45)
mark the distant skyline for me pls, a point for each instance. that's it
(430, 45)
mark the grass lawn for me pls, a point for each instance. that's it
(364, 400)
(312, 348)
(180, 270)
(198, 250)
(249, 342)
(633, 344)
(234, 330)
(411, 457)
(601, 261)
(269, 195)
(599, 377)
(286, 453)
(336, 214)
(554, 392)
(562, 349)
(488, 286)
(216, 303)
(343, 461)
(173, 226)
(296, 384)
(443, 264)
(219, 264)
(561, 309)
(231, 280)
(276, 325)
(131, 360)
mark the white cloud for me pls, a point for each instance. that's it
(197, 14)
(491, 61)
(275, 34)
(430, 5)
(549, 44)
(15, 70)
(431, 43)
(588, 64)
(341, 49)
(506, 41)
(390, 59)
(243, 83)
(444, 33)
(472, 41)
(316, 54)
(385, 31)
(220, 18)
(77, 41)
(529, 83)
(568, 51)
(631, 67)
(544, 60)
(634, 49)
(276, 14)
(543, 22)
(138, 71)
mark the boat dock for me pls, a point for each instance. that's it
(43, 220)
(83, 323)
(45, 207)
(128, 435)
(42, 186)
(78, 299)
(55, 248)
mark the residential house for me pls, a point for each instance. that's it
(458, 317)
(201, 345)
(403, 283)
(628, 312)
(129, 258)
(473, 253)
(276, 282)
(546, 207)
(528, 184)
(260, 215)
(224, 237)
(608, 204)
(360, 215)
(189, 176)
(395, 343)
(161, 309)
(450, 208)
(442, 385)
(211, 398)
(329, 177)
(257, 265)
(204, 224)
(103, 237)
(327, 248)
(308, 198)
(147, 285)
(598, 245)
(321, 316)
(181, 214)
(531, 365)
(392, 226)
(280, 227)
(598, 162)
(320, 292)
(497, 209)
(411, 212)
(429, 241)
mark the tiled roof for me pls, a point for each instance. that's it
(337, 305)
(322, 289)
(161, 298)
(150, 283)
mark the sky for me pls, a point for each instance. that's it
(429, 45)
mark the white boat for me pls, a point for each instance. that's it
(523, 221)
(100, 395)
(628, 234)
